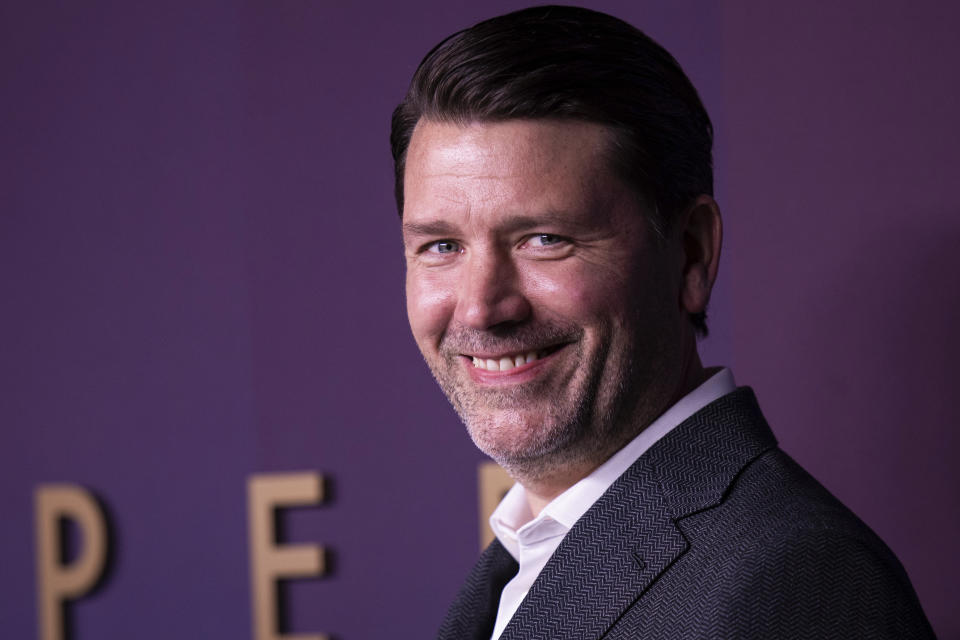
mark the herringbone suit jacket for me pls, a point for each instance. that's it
(713, 533)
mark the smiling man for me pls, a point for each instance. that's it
(554, 179)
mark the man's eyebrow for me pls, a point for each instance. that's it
(524, 222)
(429, 228)
(510, 224)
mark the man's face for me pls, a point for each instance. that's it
(536, 291)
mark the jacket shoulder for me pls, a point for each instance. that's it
(780, 556)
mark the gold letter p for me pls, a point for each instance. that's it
(56, 582)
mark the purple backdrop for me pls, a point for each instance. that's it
(201, 278)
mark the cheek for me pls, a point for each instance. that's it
(581, 293)
(430, 304)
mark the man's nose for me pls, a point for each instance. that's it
(490, 292)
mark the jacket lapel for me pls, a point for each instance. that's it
(609, 557)
(629, 537)
(472, 615)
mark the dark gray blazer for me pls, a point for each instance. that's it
(712, 533)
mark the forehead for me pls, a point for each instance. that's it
(537, 141)
(515, 164)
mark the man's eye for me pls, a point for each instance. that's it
(443, 246)
(544, 240)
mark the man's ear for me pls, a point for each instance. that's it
(702, 235)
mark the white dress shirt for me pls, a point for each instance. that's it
(531, 541)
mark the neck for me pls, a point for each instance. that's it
(542, 491)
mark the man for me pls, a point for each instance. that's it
(554, 179)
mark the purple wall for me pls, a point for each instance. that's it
(841, 175)
(201, 278)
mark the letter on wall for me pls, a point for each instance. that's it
(270, 562)
(57, 582)
(493, 483)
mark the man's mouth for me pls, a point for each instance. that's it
(509, 361)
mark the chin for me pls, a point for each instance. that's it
(524, 446)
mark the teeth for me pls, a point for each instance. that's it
(506, 362)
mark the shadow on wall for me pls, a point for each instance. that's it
(71, 541)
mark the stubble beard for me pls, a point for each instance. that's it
(577, 428)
